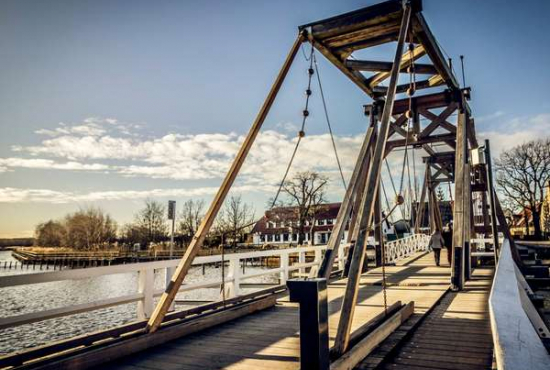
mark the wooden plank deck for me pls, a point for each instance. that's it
(456, 335)
(269, 339)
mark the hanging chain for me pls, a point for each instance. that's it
(301, 133)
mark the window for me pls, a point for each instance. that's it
(330, 221)
(285, 237)
(320, 222)
(277, 237)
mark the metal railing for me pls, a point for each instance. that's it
(518, 330)
(146, 291)
(406, 247)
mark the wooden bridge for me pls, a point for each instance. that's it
(344, 315)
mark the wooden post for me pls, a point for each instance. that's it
(196, 243)
(146, 286)
(421, 203)
(491, 198)
(301, 261)
(346, 207)
(284, 265)
(233, 289)
(467, 225)
(459, 233)
(378, 234)
(371, 190)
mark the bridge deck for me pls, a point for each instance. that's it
(269, 339)
(456, 335)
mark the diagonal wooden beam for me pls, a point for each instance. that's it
(438, 120)
(424, 34)
(406, 60)
(183, 267)
(421, 203)
(355, 76)
(396, 126)
(369, 194)
(345, 209)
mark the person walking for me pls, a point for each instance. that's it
(436, 243)
(448, 238)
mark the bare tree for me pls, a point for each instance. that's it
(152, 221)
(89, 228)
(50, 234)
(190, 217)
(306, 191)
(522, 174)
(235, 219)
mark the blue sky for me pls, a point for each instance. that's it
(110, 102)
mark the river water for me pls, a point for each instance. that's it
(37, 297)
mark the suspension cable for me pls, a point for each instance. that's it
(328, 121)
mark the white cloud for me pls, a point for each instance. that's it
(517, 131)
(92, 126)
(38, 163)
(20, 195)
(490, 117)
(198, 157)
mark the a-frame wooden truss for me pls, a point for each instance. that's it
(337, 38)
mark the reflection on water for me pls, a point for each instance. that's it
(37, 297)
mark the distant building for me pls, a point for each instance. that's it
(521, 223)
(545, 212)
(280, 226)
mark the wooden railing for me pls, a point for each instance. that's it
(235, 278)
(146, 291)
(518, 330)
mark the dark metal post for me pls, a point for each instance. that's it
(311, 294)
(490, 189)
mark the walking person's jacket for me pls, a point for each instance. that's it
(436, 241)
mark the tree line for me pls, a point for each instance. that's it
(93, 228)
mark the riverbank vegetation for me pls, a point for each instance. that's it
(93, 229)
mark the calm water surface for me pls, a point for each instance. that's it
(37, 297)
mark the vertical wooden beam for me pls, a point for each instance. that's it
(421, 203)
(193, 248)
(378, 230)
(346, 207)
(467, 224)
(459, 234)
(491, 198)
(371, 190)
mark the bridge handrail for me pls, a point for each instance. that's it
(517, 344)
(146, 290)
(406, 247)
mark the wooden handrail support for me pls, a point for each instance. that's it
(517, 345)
(364, 347)
(147, 292)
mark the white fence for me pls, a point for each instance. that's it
(146, 291)
(235, 277)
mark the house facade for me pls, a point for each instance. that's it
(280, 225)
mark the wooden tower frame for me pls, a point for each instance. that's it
(336, 38)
